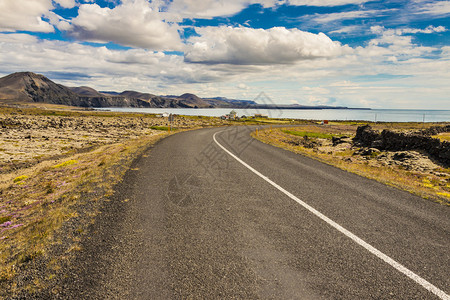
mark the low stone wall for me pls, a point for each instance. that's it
(400, 141)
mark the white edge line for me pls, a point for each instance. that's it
(427, 285)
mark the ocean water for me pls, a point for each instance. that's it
(380, 115)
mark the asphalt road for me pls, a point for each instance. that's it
(192, 222)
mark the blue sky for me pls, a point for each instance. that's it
(356, 53)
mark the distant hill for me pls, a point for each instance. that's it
(194, 101)
(86, 91)
(23, 87)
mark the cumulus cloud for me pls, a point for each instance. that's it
(248, 46)
(105, 69)
(394, 41)
(392, 45)
(134, 23)
(25, 15)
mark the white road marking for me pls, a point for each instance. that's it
(427, 285)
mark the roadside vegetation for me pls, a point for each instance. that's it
(57, 169)
(333, 144)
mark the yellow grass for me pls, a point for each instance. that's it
(445, 136)
(65, 164)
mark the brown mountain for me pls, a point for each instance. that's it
(86, 91)
(29, 87)
(194, 101)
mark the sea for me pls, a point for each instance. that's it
(373, 115)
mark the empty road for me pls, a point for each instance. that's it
(215, 214)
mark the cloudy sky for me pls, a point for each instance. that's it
(356, 53)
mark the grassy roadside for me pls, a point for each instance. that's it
(36, 206)
(315, 142)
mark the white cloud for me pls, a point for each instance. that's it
(349, 15)
(243, 86)
(393, 43)
(134, 23)
(66, 3)
(436, 8)
(429, 29)
(207, 8)
(25, 15)
(344, 84)
(214, 8)
(137, 69)
(17, 38)
(325, 2)
(248, 46)
(315, 90)
(347, 29)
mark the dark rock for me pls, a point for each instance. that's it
(401, 141)
(401, 156)
(378, 144)
(368, 151)
(336, 140)
(365, 135)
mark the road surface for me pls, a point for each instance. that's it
(215, 214)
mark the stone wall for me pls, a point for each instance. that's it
(403, 141)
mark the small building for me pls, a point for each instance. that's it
(231, 116)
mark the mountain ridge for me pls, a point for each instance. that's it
(26, 87)
(31, 87)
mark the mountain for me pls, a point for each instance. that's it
(31, 87)
(86, 91)
(194, 101)
(153, 100)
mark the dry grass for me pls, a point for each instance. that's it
(433, 185)
(445, 136)
(37, 207)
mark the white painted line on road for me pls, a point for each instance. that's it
(441, 294)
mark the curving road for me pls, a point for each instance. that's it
(215, 214)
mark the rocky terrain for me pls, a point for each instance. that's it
(408, 158)
(27, 139)
(419, 141)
